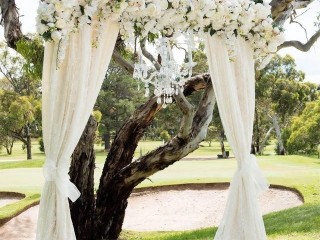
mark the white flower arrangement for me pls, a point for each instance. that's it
(153, 18)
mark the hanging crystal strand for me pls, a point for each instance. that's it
(171, 77)
(190, 46)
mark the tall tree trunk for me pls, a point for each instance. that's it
(253, 148)
(9, 146)
(8, 150)
(263, 144)
(281, 150)
(28, 143)
(82, 175)
(106, 139)
(222, 137)
(256, 139)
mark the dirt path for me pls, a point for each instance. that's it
(165, 210)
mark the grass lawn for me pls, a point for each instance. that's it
(302, 173)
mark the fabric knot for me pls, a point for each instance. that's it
(59, 175)
(50, 171)
(249, 167)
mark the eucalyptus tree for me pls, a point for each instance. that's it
(101, 217)
(22, 80)
(304, 133)
(120, 94)
(281, 94)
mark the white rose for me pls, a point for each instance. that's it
(175, 4)
(51, 24)
(151, 10)
(56, 36)
(59, 7)
(89, 10)
(61, 23)
(164, 4)
(150, 25)
(41, 28)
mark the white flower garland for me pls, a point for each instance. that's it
(153, 18)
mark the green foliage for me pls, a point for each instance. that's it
(118, 98)
(164, 135)
(280, 91)
(41, 145)
(305, 130)
(97, 115)
(20, 108)
(200, 57)
(32, 51)
(21, 75)
(17, 112)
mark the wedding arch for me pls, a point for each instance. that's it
(80, 36)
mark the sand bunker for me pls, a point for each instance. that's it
(167, 208)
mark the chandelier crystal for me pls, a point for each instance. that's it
(170, 76)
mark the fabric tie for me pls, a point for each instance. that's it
(60, 176)
(249, 168)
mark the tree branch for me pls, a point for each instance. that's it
(300, 46)
(148, 55)
(175, 149)
(122, 62)
(188, 114)
(282, 10)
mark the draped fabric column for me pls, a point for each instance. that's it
(68, 96)
(234, 85)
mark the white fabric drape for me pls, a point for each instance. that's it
(69, 94)
(234, 85)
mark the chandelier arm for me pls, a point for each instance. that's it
(148, 55)
(187, 110)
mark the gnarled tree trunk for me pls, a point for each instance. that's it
(120, 175)
(82, 175)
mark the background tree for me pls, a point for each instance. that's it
(21, 118)
(117, 100)
(18, 119)
(280, 95)
(304, 134)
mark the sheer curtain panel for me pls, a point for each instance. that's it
(68, 95)
(234, 85)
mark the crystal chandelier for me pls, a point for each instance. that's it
(171, 76)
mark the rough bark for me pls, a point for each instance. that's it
(120, 175)
(282, 9)
(10, 21)
(82, 175)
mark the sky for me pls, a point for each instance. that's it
(308, 62)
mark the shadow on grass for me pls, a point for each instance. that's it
(301, 219)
